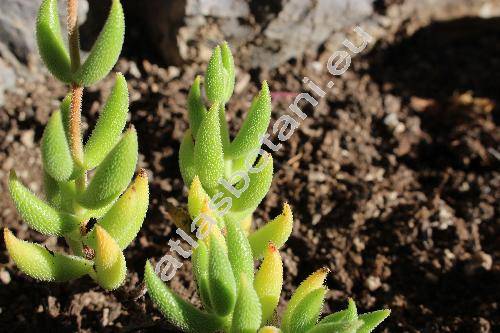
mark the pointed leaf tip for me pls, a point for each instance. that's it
(269, 281)
(110, 124)
(277, 231)
(50, 42)
(106, 49)
(124, 219)
(208, 153)
(109, 261)
(113, 174)
(216, 77)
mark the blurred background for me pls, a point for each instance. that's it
(394, 177)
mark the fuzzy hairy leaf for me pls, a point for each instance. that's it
(220, 277)
(216, 78)
(276, 231)
(228, 63)
(269, 281)
(38, 214)
(59, 195)
(123, 221)
(113, 174)
(109, 126)
(340, 327)
(208, 155)
(239, 251)
(224, 129)
(109, 261)
(41, 264)
(50, 42)
(200, 269)
(313, 282)
(306, 313)
(254, 126)
(196, 108)
(197, 198)
(177, 311)
(56, 155)
(247, 311)
(336, 317)
(106, 49)
(371, 320)
(186, 158)
(258, 186)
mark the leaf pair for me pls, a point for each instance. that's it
(102, 57)
(112, 233)
(232, 297)
(220, 75)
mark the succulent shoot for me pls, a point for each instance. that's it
(226, 167)
(71, 200)
(235, 298)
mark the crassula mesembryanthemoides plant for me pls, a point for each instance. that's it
(222, 165)
(71, 200)
(235, 298)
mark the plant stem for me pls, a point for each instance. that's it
(75, 120)
(73, 39)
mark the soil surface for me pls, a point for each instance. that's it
(393, 179)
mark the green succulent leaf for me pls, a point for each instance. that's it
(109, 126)
(254, 126)
(196, 108)
(200, 269)
(336, 317)
(258, 186)
(277, 232)
(197, 198)
(220, 277)
(371, 320)
(56, 155)
(59, 195)
(269, 281)
(110, 266)
(123, 221)
(247, 311)
(186, 159)
(228, 63)
(313, 282)
(306, 313)
(50, 41)
(37, 213)
(42, 264)
(106, 49)
(239, 251)
(113, 174)
(177, 311)
(340, 327)
(208, 155)
(216, 78)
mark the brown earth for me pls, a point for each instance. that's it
(393, 178)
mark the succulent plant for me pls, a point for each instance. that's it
(226, 168)
(236, 299)
(71, 200)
